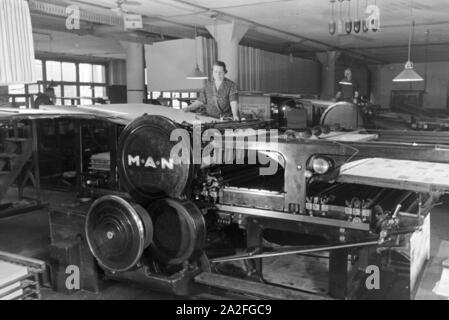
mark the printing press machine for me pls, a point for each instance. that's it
(208, 227)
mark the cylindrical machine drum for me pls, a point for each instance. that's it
(180, 231)
(145, 167)
(117, 232)
(347, 115)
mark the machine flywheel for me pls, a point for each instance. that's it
(117, 232)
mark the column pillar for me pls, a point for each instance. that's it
(375, 83)
(135, 72)
(228, 37)
(328, 79)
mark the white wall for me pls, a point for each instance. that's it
(272, 72)
(169, 62)
(437, 83)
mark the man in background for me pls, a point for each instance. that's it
(348, 88)
(46, 98)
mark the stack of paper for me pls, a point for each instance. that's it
(8, 273)
(442, 287)
(100, 162)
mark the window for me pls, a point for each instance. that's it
(34, 88)
(53, 70)
(85, 94)
(100, 92)
(70, 92)
(20, 102)
(58, 95)
(85, 72)
(155, 94)
(38, 69)
(16, 89)
(68, 71)
(99, 73)
(174, 99)
(72, 80)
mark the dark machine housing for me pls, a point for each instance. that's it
(185, 227)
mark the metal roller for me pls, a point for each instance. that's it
(180, 231)
(347, 115)
(117, 232)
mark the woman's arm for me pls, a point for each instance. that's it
(195, 105)
(234, 101)
(235, 110)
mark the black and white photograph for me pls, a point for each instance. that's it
(227, 156)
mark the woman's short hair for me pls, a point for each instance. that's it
(219, 63)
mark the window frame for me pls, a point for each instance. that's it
(29, 97)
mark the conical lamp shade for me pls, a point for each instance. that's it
(408, 74)
(196, 74)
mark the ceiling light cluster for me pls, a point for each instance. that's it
(370, 20)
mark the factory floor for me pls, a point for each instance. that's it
(29, 235)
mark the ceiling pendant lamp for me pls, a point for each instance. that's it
(348, 22)
(357, 23)
(332, 23)
(196, 74)
(340, 23)
(364, 24)
(409, 74)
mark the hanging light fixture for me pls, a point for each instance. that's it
(357, 23)
(196, 74)
(364, 24)
(340, 23)
(332, 23)
(348, 22)
(409, 74)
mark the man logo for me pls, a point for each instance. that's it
(149, 162)
(373, 280)
(73, 17)
(73, 280)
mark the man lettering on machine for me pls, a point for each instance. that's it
(347, 88)
(219, 95)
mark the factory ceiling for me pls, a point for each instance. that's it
(300, 27)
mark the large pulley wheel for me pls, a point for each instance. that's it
(117, 232)
(179, 231)
(145, 166)
(347, 115)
